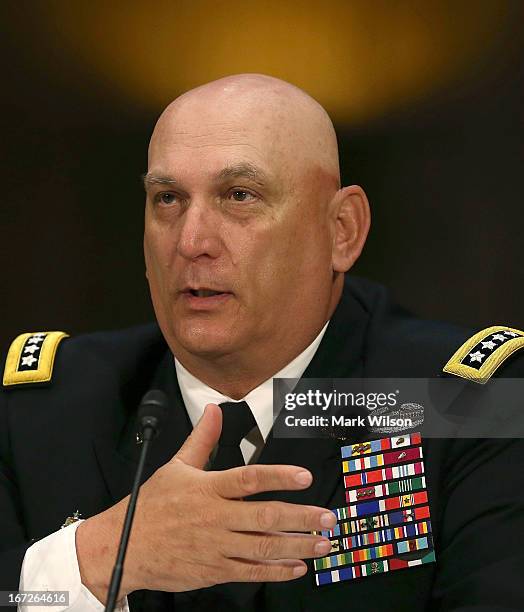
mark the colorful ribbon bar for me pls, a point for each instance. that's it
(386, 535)
(374, 446)
(388, 488)
(389, 473)
(373, 522)
(368, 569)
(391, 503)
(355, 556)
(398, 456)
(375, 552)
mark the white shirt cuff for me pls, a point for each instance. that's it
(51, 564)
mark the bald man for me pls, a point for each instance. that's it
(248, 238)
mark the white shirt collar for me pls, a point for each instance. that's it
(196, 394)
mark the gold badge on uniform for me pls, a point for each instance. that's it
(72, 519)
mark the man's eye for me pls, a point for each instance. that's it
(166, 198)
(239, 195)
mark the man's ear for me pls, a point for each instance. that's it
(144, 246)
(352, 220)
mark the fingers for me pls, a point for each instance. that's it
(242, 481)
(268, 571)
(274, 516)
(267, 546)
(198, 446)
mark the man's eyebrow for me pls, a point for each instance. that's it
(152, 179)
(244, 170)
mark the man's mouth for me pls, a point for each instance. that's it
(205, 298)
(205, 293)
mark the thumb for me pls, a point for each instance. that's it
(198, 446)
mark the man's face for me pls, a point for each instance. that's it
(237, 236)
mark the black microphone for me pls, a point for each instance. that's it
(151, 414)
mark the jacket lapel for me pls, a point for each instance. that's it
(340, 355)
(118, 457)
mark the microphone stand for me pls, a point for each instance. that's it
(116, 577)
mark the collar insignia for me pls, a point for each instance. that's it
(72, 519)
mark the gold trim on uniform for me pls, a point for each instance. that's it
(493, 360)
(31, 357)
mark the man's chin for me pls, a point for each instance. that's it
(204, 343)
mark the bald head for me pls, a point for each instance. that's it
(281, 121)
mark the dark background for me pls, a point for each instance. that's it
(442, 165)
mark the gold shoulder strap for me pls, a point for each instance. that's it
(31, 357)
(480, 356)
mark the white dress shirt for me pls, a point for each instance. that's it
(51, 564)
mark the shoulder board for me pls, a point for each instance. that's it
(31, 357)
(480, 356)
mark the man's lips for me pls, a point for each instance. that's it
(204, 298)
(205, 293)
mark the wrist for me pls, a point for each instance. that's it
(96, 543)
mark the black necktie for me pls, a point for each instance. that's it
(237, 422)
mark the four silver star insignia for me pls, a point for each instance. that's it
(490, 344)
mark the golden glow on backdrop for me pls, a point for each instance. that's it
(359, 58)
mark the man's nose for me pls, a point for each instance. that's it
(199, 231)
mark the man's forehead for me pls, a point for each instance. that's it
(216, 148)
(202, 134)
(249, 118)
(201, 127)
(248, 147)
